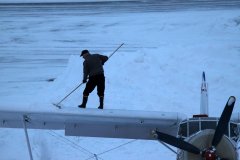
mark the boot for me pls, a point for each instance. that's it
(84, 102)
(101, 102)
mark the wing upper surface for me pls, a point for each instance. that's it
(94, 122)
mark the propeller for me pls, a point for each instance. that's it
(177, 142)
(223, 121)
(219, 132)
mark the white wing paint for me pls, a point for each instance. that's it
(93, 122)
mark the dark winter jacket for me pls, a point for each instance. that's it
(93, 65)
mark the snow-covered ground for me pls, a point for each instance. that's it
(158, 69)
(56, 1)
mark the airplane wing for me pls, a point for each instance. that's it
(113, 123)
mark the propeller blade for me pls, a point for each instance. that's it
(223, 121)
(177, 142)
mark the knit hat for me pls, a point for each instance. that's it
(84, 52)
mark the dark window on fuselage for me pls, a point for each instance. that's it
(208, 125)
(233, 130)
(183, 130)
(193, 127)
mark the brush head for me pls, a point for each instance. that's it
(57, 105)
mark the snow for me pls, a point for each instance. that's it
(56, 1)
(158, 69)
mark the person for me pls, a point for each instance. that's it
(93, 69)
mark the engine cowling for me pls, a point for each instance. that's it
(202, 140)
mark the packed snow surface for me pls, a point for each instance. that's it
(158, 68)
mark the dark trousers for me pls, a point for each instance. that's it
(97, 80)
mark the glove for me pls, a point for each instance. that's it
(84, 81)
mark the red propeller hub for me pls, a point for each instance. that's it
(210, 155)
